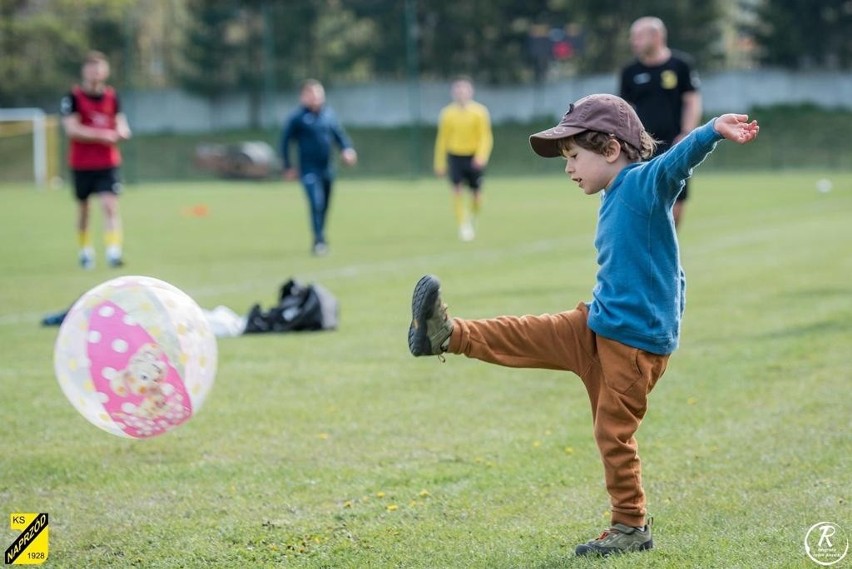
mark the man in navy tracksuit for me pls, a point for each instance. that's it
(314, 126)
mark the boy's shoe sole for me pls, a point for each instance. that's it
(423, 302)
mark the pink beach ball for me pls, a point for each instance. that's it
(136, 357)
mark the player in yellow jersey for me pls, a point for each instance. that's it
(462, 148)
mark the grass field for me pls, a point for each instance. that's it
(339, 449)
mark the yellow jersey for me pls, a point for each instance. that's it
(463, 131)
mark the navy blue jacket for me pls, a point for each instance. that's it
(314, 133)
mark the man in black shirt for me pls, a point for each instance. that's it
(663, 88)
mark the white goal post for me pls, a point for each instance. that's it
(38, 118)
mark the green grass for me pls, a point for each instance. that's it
(338, 449)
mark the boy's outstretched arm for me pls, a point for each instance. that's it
(736, 128)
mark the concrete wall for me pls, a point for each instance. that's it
(395, 104)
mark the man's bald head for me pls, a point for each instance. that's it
(648, 38)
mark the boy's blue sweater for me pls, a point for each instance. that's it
(640, 292)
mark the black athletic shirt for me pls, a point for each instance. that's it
(657, 93)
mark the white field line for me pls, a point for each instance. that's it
(390, 266)
(355, 271)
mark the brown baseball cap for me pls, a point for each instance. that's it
(608, 114)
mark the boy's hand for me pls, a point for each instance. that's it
(736, 128)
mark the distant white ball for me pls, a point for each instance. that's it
(135, 356)
(824, 185)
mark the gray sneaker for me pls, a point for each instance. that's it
(618, 539)
(430, 325)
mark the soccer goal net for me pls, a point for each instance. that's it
(29, 143)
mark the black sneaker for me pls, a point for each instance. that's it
(431, 326)
(618, 539)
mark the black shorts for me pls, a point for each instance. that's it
(88, 182)
(462, 170)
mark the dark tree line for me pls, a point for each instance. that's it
(804, 34)
(216, 47)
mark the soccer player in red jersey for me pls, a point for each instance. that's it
(94, 124)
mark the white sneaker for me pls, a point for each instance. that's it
(466, 232)
(114, 257)
(87, 259)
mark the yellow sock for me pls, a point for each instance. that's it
(476, 204)
(113, 238)
(84, 239)
(458, 206)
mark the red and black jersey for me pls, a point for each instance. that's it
(96, 111)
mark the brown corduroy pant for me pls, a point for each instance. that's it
(617, 377)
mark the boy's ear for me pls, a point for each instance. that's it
(612, 150)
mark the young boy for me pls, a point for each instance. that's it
(619, 342)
